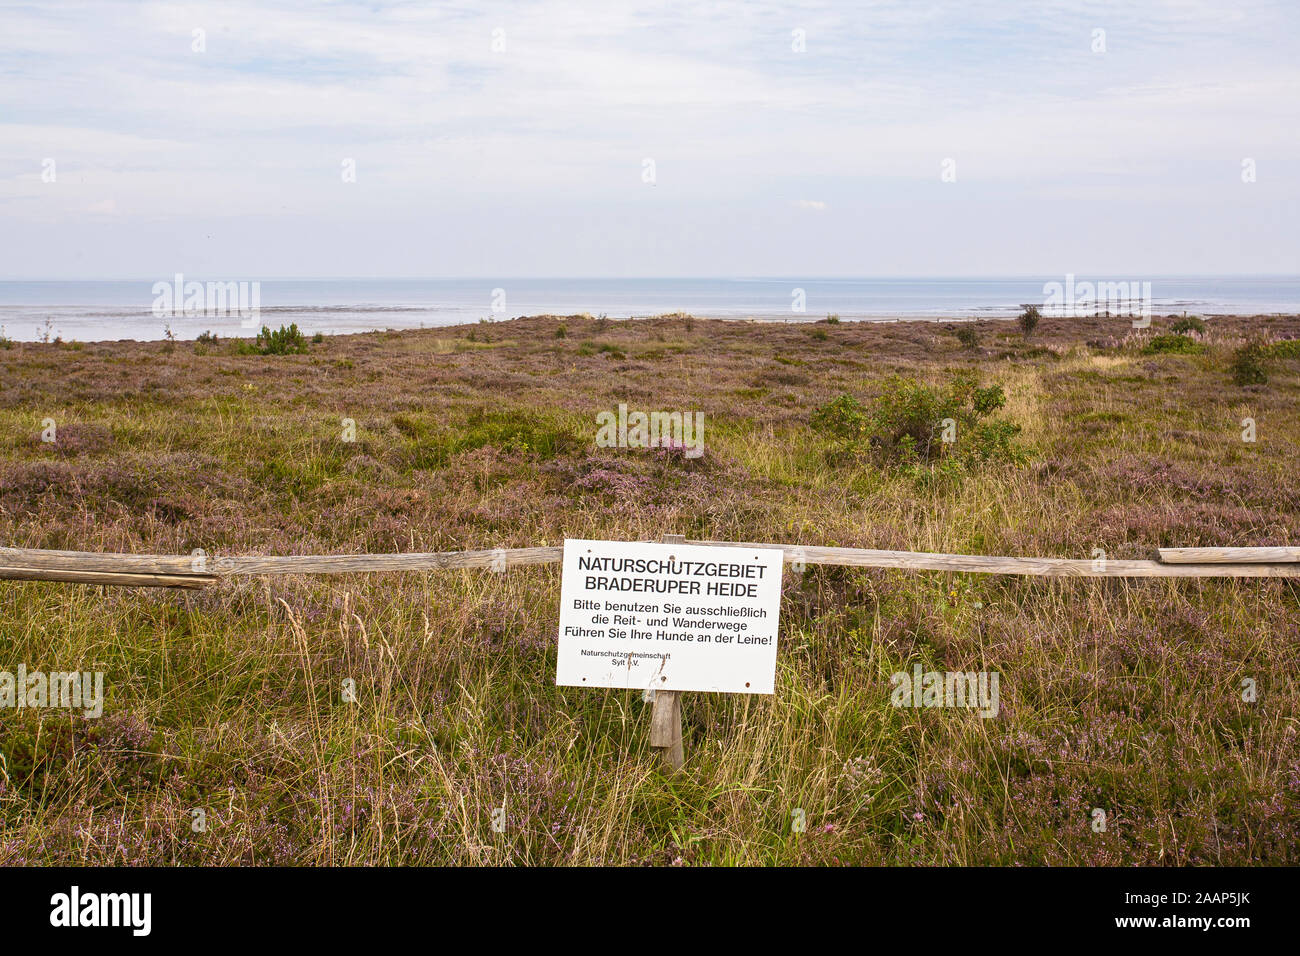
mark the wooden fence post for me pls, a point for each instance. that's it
(666, 712)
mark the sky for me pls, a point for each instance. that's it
(705, 138)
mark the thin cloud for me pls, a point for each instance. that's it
(446, 124)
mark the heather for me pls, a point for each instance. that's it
(1124, 695)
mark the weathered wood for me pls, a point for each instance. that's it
(124, 579)
(666, 713)
(184, 571)
(1229, 555)
(135, 569)
(666, 728)
(290, 564)
(101, 561)
(354, 563)
(1038, 567)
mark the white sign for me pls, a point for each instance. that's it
(669, 617)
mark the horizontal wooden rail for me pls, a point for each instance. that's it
(1039, 567)
(98, 561)
(185, 571)
(1229, 555)
(128, 579)
(210, 567)
(499, 558)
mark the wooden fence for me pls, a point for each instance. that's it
(200, 570)
(186, 571)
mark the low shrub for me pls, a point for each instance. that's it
(844, 418)
(1028, 320)
(1249, 364)
(1172, 344)
(283, 341)
(919, 426)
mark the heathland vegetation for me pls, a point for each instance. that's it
(384, 718)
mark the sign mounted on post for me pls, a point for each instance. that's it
(669, 617)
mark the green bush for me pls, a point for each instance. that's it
(283, 341)
(908, 420)
(1189, 323)
(1172, 344)
(985, 400)
(968, 337)
(844, 418)
(1286, 349)
(909, 423)
(994, 440)
(1249, 364)
(1029, 320)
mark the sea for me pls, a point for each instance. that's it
(90, 311)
